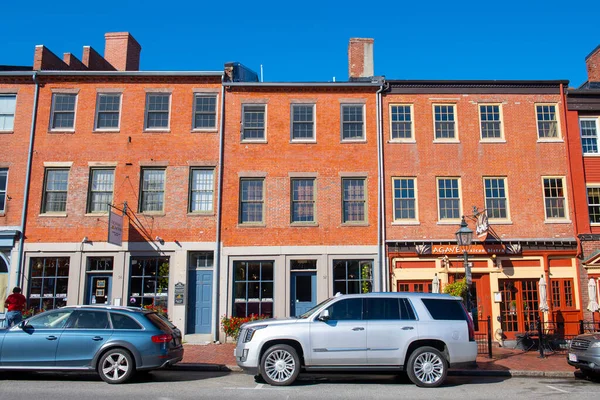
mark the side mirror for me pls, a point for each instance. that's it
(22, 324)
(324, 316)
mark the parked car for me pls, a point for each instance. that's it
(114, 341)
(422, 334)
(584, 353)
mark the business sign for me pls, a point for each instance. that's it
(482, 226)
(179, 293)
(115, 229)
(474, 249)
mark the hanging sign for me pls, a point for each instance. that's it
(482, 227)
(115, 229)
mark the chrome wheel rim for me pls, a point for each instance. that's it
(115, 366)
(280, 365)
(428, 367)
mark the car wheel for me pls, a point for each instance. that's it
(116, 366)
(280, 365)
(427, 367)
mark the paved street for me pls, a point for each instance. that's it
(180, 385)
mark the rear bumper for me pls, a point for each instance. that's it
(160, 361)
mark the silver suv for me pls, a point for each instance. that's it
(422, 334)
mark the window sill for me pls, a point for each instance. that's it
(6, 132)
(304, 225)
(557, 221)
(550, 141)
(201, 214)
(592, 155)
(353, 141)
(106, 131)
(500, 221)
(352, 224)
(98, 214)
(61, 131)
(153, 213)
(53, 215)
(449, 222)
(258, 141)
(307, 141)
(2, 214)
(492, 141)
(251, 225)
(399, 141)
(156, 130)
(207, 130)
(401, 223)
(446, 141)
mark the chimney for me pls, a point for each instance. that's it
(360, 58)
(592, 61)
(122, 51)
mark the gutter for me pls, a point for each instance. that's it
(380, 197)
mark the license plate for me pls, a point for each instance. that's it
(572, 357)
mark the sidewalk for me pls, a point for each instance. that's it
(504, 362)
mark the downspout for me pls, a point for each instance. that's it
(27, 180)
(215, 328)
(380, 198)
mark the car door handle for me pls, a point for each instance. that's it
(407, 328)
(96, 338)
(358, 329)
(52, 337)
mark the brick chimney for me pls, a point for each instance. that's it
(360, 58)
(592, 62)
(122, 51)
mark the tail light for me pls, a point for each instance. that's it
(164, 338)
(469, 324)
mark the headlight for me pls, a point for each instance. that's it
(595, 344)
(250, 332)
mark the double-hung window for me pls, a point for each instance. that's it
(405, 199)
(201, 190)
(55, 190)
(593, 196)
(153, 190)
(444, 121)
(8, 103)
(63, 111)
(101, 190)
(3, 185)
(158, 106)
(108, 110)
(253, 122)
(554, 198)
(496, 198)
(205, 111)
(303, 122)
(547, 122)
(589, 135)
(353, 122)
(448, 199)
(251, 201)
(490, 119)
(354, 196)
(303, 200)
(402, 122)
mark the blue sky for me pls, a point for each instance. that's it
(307, 41)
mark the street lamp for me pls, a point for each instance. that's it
(464, 237)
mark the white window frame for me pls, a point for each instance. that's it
(90, 209)
(97, 120)
(592, 186)
(142, 205)
(7, 114)
(454, 113)
(596, 121)
(194, 112)
(314, 122)
(564, 197)
(363, 137)
(437, 194)
(410, 139)
(500, 121)
(507, 200)
(405, 221)
(4, 191)
(244, 127)
(210, 191)
(558, 137)
(147, 112)
(54, 112)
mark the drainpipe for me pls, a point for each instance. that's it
(381, 195)
(27, 180)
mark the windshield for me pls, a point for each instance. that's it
(312, 310)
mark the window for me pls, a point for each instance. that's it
(91, 320)
(201, 259)
(101, 190)
(49, 278)
(352, 276)
(448, 198)
(445, 124)
(449, 310)
(402, 122)
(149, 282)
(253, 288)
(50, 320)
(201, 190)
(562, 293)
(99, 264)
(205, 111)
(405, 199)
(593, 195)
(388, 309)
(55, 190)
(554, 198)
(63, 111)
(496, 202)
(589, 135)
(3, 186)
(346, 310)
(354, 199)
(303, 122)
(251, 201)
(253, 121)
(121, 321)
(415, 286)
(108, 109)
(353, 124)
(303, 200)
(489, 115)
(153, 190)
(8, 103)
(546, 121)
(157, 111)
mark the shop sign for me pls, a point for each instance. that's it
(115, 229)
(179, 293)
(474, 249)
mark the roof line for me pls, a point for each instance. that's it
(129, 73)
(325, 84)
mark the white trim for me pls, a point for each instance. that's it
(500, 139)
(412, 138)
(100, 94)
(314, 122)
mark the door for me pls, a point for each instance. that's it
(98, 289)
(82, 338)
(199, 315)
(481, 300)
(303, 292)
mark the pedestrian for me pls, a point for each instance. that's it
(15, 304)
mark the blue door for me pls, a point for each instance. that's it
(199, 315)
(98, 289)
(304, 292)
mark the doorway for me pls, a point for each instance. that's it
(200, 293)
(98, 289)
(303, 293)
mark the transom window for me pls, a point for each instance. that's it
(589, 135)
(354, 199)
(101, 190)
(157, 110)
(546, 121)
(201, 190)
(303, 121)
(402, 122)
(352, 276)
(554, 198)
(55, 190)
(448, 198)
(149, 282)
(445, 123)
(205, 111)
(303, 200)
(405, 199)
(253, 121)
(8, 103)
(353, 123)
(48, 283)
(63, 111)
(496, 203)
(251, 201)
(489, 114)
(100, 264)
(201, 259)
(253, 288)
(107, 111)
(593, 195)
(3, 185)
(153, 190)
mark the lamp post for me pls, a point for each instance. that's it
(464, 237)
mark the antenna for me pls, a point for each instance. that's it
(261, 72)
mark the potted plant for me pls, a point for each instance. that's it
(513, 307)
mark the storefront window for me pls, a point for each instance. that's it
(253, 288)
(49, 278)
(352, 276)
(149, 281)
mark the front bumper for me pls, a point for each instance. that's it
(246, 357)
(584, 361)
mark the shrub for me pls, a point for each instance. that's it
(231, 325)
(457, 288)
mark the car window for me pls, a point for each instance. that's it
(445, 309)
(406, 310)
(91, 320)
(382, 309)
(158, 322)
(122, 321)
(55, 319)
(346, 310)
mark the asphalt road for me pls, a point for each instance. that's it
(181, 385)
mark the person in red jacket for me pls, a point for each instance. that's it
(15, 303)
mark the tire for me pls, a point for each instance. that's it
(116, 366)
(280, 365)
(427, 367)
